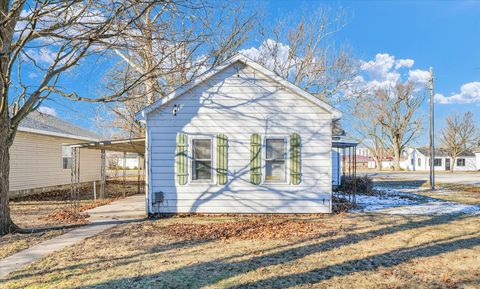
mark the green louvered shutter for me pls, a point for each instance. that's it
(182, 159)
(222, 142)
(295, 144)
(255, 159)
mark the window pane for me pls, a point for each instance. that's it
(66, 151)
(275, 170)
(202, 149)
(275, 149)
(202, 170)
(67, 163)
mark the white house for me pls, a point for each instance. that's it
(477, 159)
(239, 139)
(41, 158)
(419, 160)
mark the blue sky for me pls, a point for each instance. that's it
(442, 34)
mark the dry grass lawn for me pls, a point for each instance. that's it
(32, 213)
(466, 194)
(318, 251)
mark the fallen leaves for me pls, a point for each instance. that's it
(67, 216)
(252, 229)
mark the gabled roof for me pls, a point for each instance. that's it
(41, 123)
(246, 61)
(440, 152)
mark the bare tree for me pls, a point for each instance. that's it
(302, 52)
(459, 135)
(368, 129)
(172, 43)
(48, 38)
(396, 108)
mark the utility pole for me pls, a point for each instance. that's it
(432, 134)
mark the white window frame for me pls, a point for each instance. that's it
(440, 164)
(264, 159)
(62, 157)
(464, 162)
(191, 138)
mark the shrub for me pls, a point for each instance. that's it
(364, 185)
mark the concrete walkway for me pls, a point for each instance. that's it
(101, 218)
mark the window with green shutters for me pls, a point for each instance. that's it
(182, 158)
(295, 165)
(255, 159)
(222, 143)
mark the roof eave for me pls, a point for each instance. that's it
(50, 133)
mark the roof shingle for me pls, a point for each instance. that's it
(51, 124)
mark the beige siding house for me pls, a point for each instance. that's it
(239, 139)
(40, 158)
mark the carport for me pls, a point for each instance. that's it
(131, 145)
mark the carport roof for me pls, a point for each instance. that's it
(131, 145)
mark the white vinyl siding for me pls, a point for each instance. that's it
(36, 162)
(239, 102)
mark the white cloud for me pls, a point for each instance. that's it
(47, 110)
(384, 72)
(270, 53)
(380, 67)
(418, 76)
(42, 55)
(469, 93)
(404, 63)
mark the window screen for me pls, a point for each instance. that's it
(275, 160)
(66, 157)
(202, 159)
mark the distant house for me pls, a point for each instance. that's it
(239, 139)
(419, 160)
(40, 158)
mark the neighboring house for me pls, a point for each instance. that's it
(363, 151)
(477, 158)
(40, 158)
(130, 162)
(239, 139)
(419, 160)
(388, 163)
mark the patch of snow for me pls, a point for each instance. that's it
(402, 200)
(373, 203)
(435, 208)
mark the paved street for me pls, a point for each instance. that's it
(468, 178)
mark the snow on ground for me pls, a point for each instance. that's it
(403, 201)
(435, 208)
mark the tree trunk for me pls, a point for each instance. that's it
(6, 224)
(396, 160)
(452, 164)
(378, 161)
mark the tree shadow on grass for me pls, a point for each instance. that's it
(388, 259)
(208, 273)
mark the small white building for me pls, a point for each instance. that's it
(419, 160)
(239, 139)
